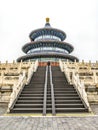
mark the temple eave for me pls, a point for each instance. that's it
(58, 44)
(47, 55)
(47, 31)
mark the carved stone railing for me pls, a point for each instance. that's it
(16, 90)
(79, 68)
(61, 65)
(64, 68)
(79, 86)
(95, 77)
(73, 78)
(36, 65)
(31, 70)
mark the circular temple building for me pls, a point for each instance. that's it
(47, 44)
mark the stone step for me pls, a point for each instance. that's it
(28, 105)
(67, 98)
(77, 105)
(31, 105)
(28, 95)
(34, 89)
(67, 95)
(64, 89)
(65, 92)
(30, 110)
(29, 101)
(63, 101)
(31, 98)
(66, 85)
(32, 92)
(42, 92)
(71, 110)
(27, 110)
(34, 85)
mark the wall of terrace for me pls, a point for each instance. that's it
(10, 75)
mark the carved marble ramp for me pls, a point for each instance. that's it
(66, 98)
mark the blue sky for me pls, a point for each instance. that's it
(78, 18)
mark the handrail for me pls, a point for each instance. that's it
(52, 92)
(45, 92)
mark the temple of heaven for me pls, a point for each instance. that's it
(47, 44)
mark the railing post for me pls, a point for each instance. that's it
(2, 74)
(95, 77)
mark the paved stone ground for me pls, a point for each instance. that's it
(3, 109)
(95, 109)
(48, 123)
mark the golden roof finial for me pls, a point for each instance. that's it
(47, 20)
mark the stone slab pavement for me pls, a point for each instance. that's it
(48, 123)
(3, 110)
